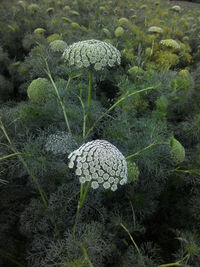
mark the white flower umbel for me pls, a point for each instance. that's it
(92, 53)
(101, 163)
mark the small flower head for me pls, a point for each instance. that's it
(58, 46)
(176, 8)
(177, 150)
(170, 43)
(155, 29)
(119, 31)
(92, 53)
(53, 37)
(40, 31)
(101, 163)
(58, 143)
(124, 22)
(38, 90)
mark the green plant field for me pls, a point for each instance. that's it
(99, 133)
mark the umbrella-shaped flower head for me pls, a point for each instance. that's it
(92, 53)
(100, 163)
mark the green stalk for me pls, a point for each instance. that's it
(86, 256)
(178, 263)
(84, 116)
(89, 88)
(16, 153)
(116, 104)
(145, 148)
(58, 96)
(12, 155)
(135, 245)
(83, 194)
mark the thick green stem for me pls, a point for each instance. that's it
(89, 88)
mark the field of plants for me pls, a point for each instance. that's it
(99, 133)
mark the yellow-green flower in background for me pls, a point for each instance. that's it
(177, 150)
(40, 31)
(107, 33)
(176, 8)
(58, 46)
(53, 37)
(124, 22)
(155, 29)
(119, 31)
(38, 90)
(170, 43)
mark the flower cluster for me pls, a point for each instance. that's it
(170, 43)
(100, 163)
(38, 90)
(58, 143)
(58, 46)
(176, 8)
(155, 29)
(94, 53)
(177, 150)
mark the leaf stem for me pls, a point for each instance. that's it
(135, 245)
(145, 148)
(116, 104)
(58, 95)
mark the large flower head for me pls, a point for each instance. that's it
(100, 163)
(92, 53)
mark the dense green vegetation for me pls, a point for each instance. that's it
(99, 133)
